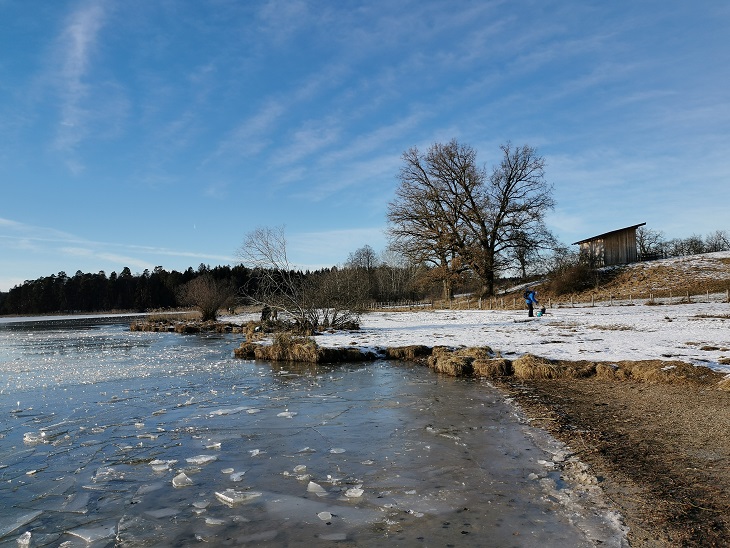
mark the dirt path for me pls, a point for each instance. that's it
(661, 452)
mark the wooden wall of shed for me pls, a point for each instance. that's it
(616, 248)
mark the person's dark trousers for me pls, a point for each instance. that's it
(529, 310)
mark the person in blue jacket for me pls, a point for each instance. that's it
(531, 300)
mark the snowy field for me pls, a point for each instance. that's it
(696, 333)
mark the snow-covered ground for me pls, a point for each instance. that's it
(696, 333)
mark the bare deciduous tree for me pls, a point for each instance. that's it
(450, 212)
(649, 243)
(206, 295)
(717, 241)
(315, 300)
(425, 215)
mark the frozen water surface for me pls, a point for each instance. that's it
(115, 438)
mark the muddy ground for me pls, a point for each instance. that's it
(660, 451)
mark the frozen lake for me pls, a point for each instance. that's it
(115, 438)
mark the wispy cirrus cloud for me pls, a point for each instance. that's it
(45, 240)
(75, 46)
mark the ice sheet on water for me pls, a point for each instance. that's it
(134, 531)
(305, 510)
(11, 521)
(228, 411)
(163, 513)
(92, 534)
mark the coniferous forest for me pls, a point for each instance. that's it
(101, 292)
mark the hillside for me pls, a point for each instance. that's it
(675, 277)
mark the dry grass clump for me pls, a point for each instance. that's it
(493, 367)
(476, 352)
(448, 362)
(408, 353)
(668, 372)
(294, 348)
(342, 355)
(247, 351)
(610, 371)
(466, 362)
(534, 367)
(288, 347)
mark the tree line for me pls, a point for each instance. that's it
(94, 292)
(370, 278)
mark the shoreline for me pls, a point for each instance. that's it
(659, 451)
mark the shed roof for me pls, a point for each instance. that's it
(601, 236)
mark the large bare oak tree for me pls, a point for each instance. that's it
(453, 214)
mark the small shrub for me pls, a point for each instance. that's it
(572, 279)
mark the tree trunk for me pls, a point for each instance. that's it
(448, 290)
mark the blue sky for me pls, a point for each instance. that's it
(159, 133)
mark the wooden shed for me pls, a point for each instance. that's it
(611, 248)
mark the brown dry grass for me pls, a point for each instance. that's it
(408, 353)
(694, 276)
(492, 368)
(534, 367)
(287, 347)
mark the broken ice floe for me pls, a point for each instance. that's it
(316, 488)
(34, 438)
(10, 522)
(324, 516)
(201, 459)
(354, 492)
(231, 497)
(287, 414)
(181, 480)
(228, 411)
(158, 465)
(237, 476)
(24, 540)
(93, 534)
(256, 452)
(337, 450)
